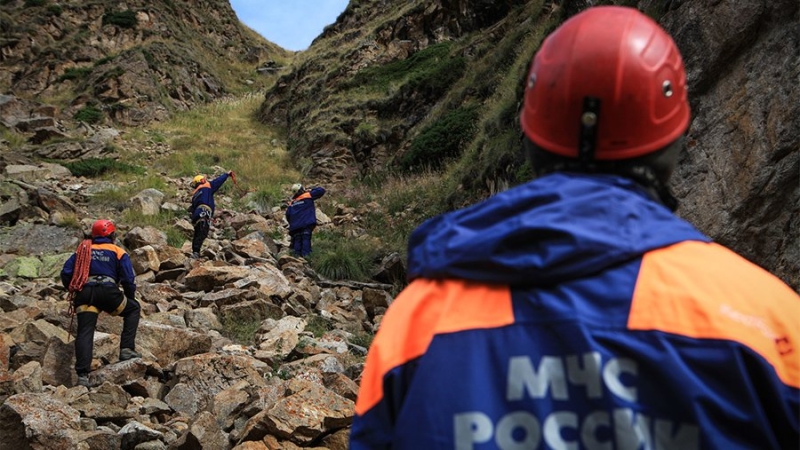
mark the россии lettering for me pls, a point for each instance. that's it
(617, 429)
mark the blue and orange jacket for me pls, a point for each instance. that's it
(204, 195)
(574, 312)
(108, 260)
(301, 212)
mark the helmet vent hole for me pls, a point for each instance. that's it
(667, 88)
(531, 81)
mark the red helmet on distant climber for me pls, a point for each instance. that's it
(608, 84)
(103, 228)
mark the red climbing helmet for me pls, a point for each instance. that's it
(103, 228)
(608, 84)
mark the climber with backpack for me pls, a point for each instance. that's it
(93, 276)
(202, 207)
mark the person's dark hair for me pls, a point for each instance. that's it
(652, 171)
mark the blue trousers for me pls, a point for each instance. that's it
(301, 241)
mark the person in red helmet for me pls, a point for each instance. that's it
(577, 310)
(93, 275)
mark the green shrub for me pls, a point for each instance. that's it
(340, 258)
(104, 60)
(89, 114)
(54, 10)
(434, 80)
(94, 167)
(122, 19)
(441, 140)
(417, 67)
(75, 73)
(113, 73)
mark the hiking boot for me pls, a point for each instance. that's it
(128, 353)
(195, 255)
(83, 380)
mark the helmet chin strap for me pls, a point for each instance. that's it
(587, 144)
(587, 140)
(646, 176)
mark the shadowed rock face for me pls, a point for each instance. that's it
(739, 179)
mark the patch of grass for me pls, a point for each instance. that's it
(75, 73)
(222, 136)
(94, 167)
(164, 220)
(405, 201)
(113, 73)
(240, 332)
(104, 60)
(71, 220)
(366, 130)
(338, 257)
(363, 339)
(318, 325)
(54, 10)
(268, 196)
(89, 114)
(175, 237)
(114, 197)
(14, 140)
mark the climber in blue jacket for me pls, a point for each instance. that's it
(302, 217)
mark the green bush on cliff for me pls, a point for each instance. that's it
(122, 19)
(75, 73)
(89, 114)
(420, 69)
(441, 140)
(94, 167)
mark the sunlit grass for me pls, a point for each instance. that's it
(163, 221)
(223, 136)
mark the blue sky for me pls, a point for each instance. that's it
(292, 24)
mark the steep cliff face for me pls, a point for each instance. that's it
(740, 177)
(135, 61)
(395, 86)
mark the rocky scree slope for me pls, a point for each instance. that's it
(289, 382)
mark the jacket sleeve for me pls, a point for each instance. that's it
(126, 276)
(317, 192)
(67, 270)
(391, 364)
(216, 183)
